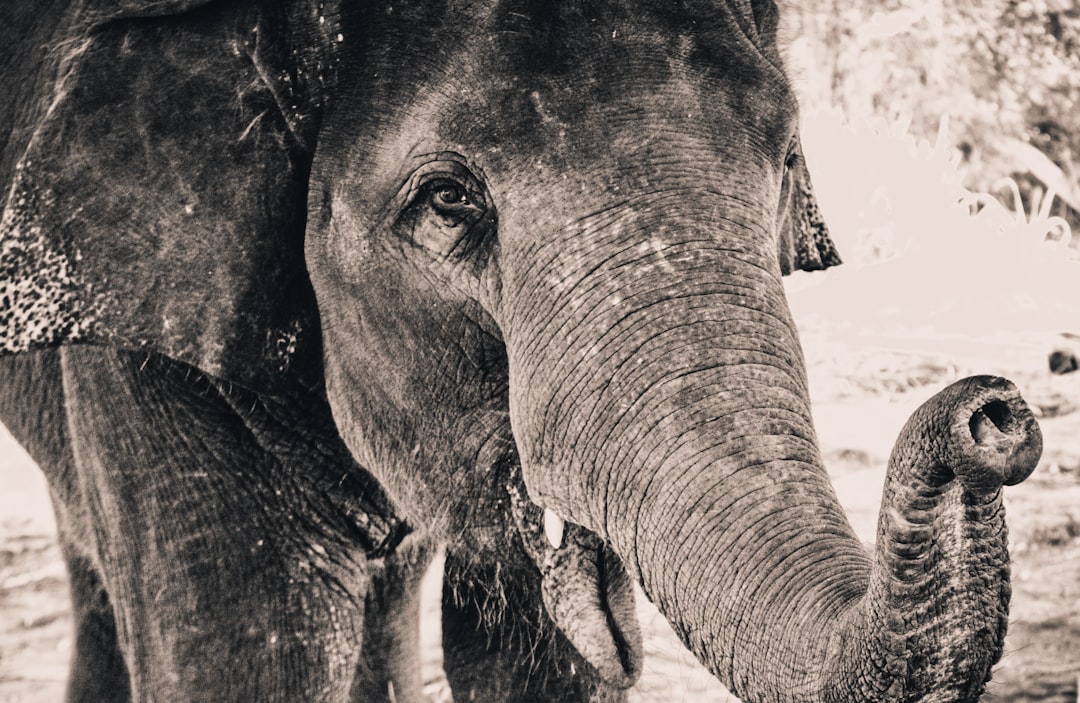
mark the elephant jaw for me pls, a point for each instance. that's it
(585, 589)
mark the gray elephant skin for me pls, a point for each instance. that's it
(293, 292)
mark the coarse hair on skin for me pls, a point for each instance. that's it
(488, 590)
(787, 33)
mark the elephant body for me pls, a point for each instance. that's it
(295, 292)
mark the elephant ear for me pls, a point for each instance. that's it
(156, 182)
(805, 244)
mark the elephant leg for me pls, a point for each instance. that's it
(98, 673)
(390, 667)
(499, 643)
(32, 407)
(228, 577)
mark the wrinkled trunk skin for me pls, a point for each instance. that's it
(674, 422)
(941, 574)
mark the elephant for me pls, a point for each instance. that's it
(295, 292)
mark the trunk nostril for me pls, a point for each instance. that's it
(993, 416)
(1001, 442)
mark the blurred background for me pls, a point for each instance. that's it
(943, 138)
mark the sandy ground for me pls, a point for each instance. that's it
(863, 391)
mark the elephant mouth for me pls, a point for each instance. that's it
(585, 589)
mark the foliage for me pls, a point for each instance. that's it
(1006, 72)
(928, 262)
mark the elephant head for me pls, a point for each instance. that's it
(545, 244)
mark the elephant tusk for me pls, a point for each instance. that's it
(553, 527)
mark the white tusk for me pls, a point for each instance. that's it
(553, 527)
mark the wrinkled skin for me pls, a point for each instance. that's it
(334, 284)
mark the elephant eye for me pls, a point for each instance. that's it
(452, 202)
(446, 211)
(449, 195)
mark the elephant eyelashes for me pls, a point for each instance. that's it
(446, 213)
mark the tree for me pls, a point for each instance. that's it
(1006, 72)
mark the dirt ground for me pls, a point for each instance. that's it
(863, 391)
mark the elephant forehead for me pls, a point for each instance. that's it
(571, 86)
(560, 81)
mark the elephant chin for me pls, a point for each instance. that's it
(586, 591)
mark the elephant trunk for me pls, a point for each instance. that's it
(937, 602)
(763, 580)
(674, 424)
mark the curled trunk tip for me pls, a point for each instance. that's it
(936, 609)
(991, 437)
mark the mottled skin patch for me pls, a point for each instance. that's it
(40, 300)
